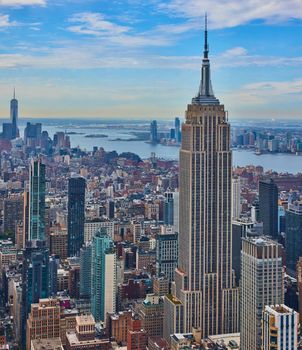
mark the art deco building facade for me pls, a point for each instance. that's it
(204, 279)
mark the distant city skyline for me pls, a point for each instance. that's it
(139, 60)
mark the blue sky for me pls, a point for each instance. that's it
(141, 58)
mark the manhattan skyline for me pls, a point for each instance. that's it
(135, 60)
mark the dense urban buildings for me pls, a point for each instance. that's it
(101, 249)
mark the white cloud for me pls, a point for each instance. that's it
(91, 54)
(5, 21)
(231, 13)
(13, 3)
(95, 24)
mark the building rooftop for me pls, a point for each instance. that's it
(47, 344)
(173, 299)
(279, 309)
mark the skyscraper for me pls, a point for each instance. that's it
(76, 214)
(261, 284)
(153, 132)
(293, 236)
(103, 275)
(177, 130)
(236, 198)
(268, 207)
(204, 279)
(166, 253)
(85, 271)
(36, 219)
(35, 278)
(14, 116)
(169, 209)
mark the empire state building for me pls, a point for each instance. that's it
(204, 296)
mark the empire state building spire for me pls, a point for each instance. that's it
(205, 94)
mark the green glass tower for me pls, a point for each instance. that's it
(36, 200)
(103, 275)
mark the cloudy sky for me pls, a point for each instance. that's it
(141, 58)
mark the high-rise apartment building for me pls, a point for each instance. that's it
(204, 279)
(85, 271)
(36, 218)
(169, 209)
(176, 211)
(103, 276)
(293, 235)
(268, 207)
(166, 253)
(236, 198)
(12, 215)
(261, 284)
(279, 328)
(299, 283)
(76, 214)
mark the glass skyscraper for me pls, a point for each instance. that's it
(103, 275)
(14, 116)
(76, 214)
(36, 220)
(35, 278)
(268, 207)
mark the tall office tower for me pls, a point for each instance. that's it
(36, 218)
(236, 198)
(166, 254)
(35, 278)
(293, 237)
(85, 270)
(176, 211)
(261, 284)
(14, 116)
(153, 132)
(279, 328)
(242, 228)
(54, 263)
(204, 279)
(103, 276)
(25, 217)
(43, 321)
(76, 214)
(32, 134)
(12, 215)
(299, 280)
(177, 130)
(169, 209)
(268, 207)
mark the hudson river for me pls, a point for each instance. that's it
(119, 133)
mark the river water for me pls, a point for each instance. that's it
(280, 162)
